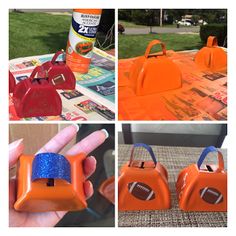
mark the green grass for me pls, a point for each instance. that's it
(135, 45)
(35, 33)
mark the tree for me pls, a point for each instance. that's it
(195, 19)
(209, 15)
(125, 14)
(149, 17)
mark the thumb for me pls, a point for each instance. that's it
(15, 150)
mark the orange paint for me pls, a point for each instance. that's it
(36, 196)
(203, 188)
(143, 185)
(211, 57)
(179, 104)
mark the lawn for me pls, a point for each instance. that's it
(35, 33)
(135, 45)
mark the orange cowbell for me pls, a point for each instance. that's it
(154, 73)
(211, 57)
(203, 188)
(50, 182)
(143, 184)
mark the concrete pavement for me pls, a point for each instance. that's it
(161, 30)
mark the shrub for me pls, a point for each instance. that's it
(107, 20)
(218, 30)
(121, 28)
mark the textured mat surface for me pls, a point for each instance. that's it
(174, 159)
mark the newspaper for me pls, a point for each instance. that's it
(203, 95)
(78, 104)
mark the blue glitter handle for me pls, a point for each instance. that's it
(51, 165)
(205, 152)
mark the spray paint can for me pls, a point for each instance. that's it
(82, 37)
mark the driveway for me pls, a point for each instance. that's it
(161, 30)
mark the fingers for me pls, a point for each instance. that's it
(89, 143)
(88, 189)
(15, 150)
(89, 165)
(60, 140)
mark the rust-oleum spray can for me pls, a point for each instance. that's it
(81, 38)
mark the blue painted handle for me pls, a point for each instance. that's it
(147, 147)
(206, 151)
(51, 165)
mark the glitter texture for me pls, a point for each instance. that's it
(51, 165)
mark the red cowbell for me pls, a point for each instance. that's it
(36, 97)
(59, 74)
(12, 82)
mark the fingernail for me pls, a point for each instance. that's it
(105, 132)
(76, 126)
(15, 144)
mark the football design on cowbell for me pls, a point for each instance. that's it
(141, 191)
(211, 195)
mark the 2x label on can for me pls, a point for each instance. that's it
(85, 24)
(82, 34)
